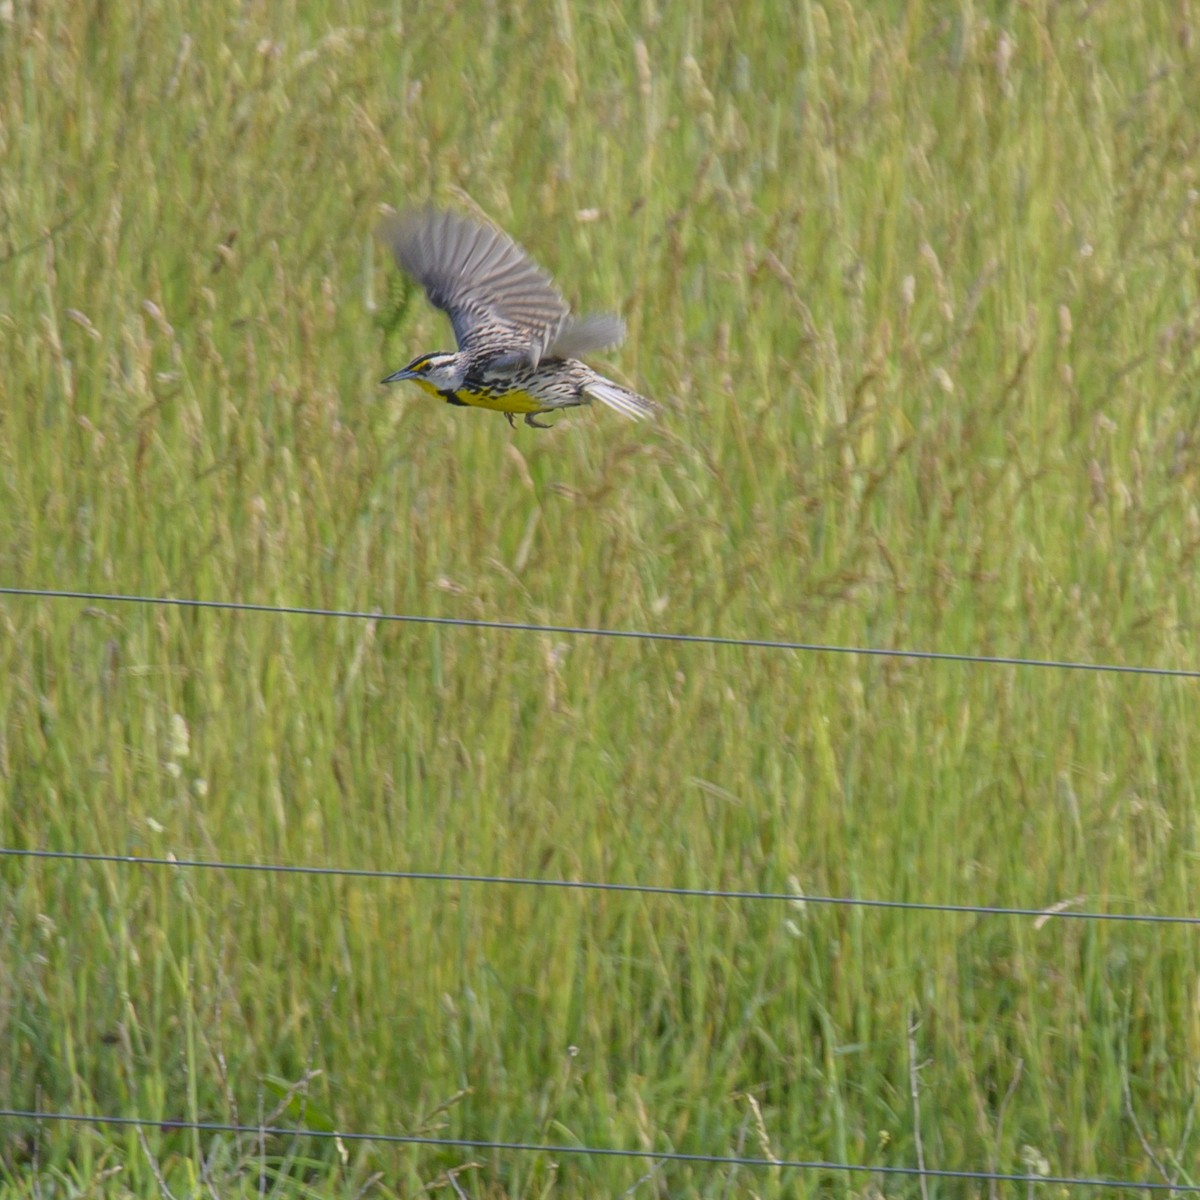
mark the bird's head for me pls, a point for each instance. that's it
(439, 372)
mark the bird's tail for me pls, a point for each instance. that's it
(627, 403)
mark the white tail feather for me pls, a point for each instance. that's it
(621, 399)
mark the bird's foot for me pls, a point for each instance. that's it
(536, 424)
(509, 418)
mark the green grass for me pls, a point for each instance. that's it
(919, 286)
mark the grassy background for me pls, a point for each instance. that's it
(919, 285)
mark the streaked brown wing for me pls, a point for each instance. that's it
(498, 300)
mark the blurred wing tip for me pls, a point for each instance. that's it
(585, 335)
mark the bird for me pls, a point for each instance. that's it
(519, 348)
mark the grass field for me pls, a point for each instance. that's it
(918, 285)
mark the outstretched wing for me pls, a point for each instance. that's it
(498, 300)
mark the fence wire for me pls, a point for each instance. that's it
(655, 1156)
(643, 635)
(1059, 911)
(1062, 910)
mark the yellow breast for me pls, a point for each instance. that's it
(515, 401)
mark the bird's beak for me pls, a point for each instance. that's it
(399, 376)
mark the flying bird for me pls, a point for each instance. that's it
(519, 347)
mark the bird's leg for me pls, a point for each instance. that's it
(536, 424)
(509, 418)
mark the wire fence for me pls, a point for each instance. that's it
(566, 1149)
(1062, 910)
(641, 635)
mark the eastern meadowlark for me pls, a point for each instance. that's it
(518, 345)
